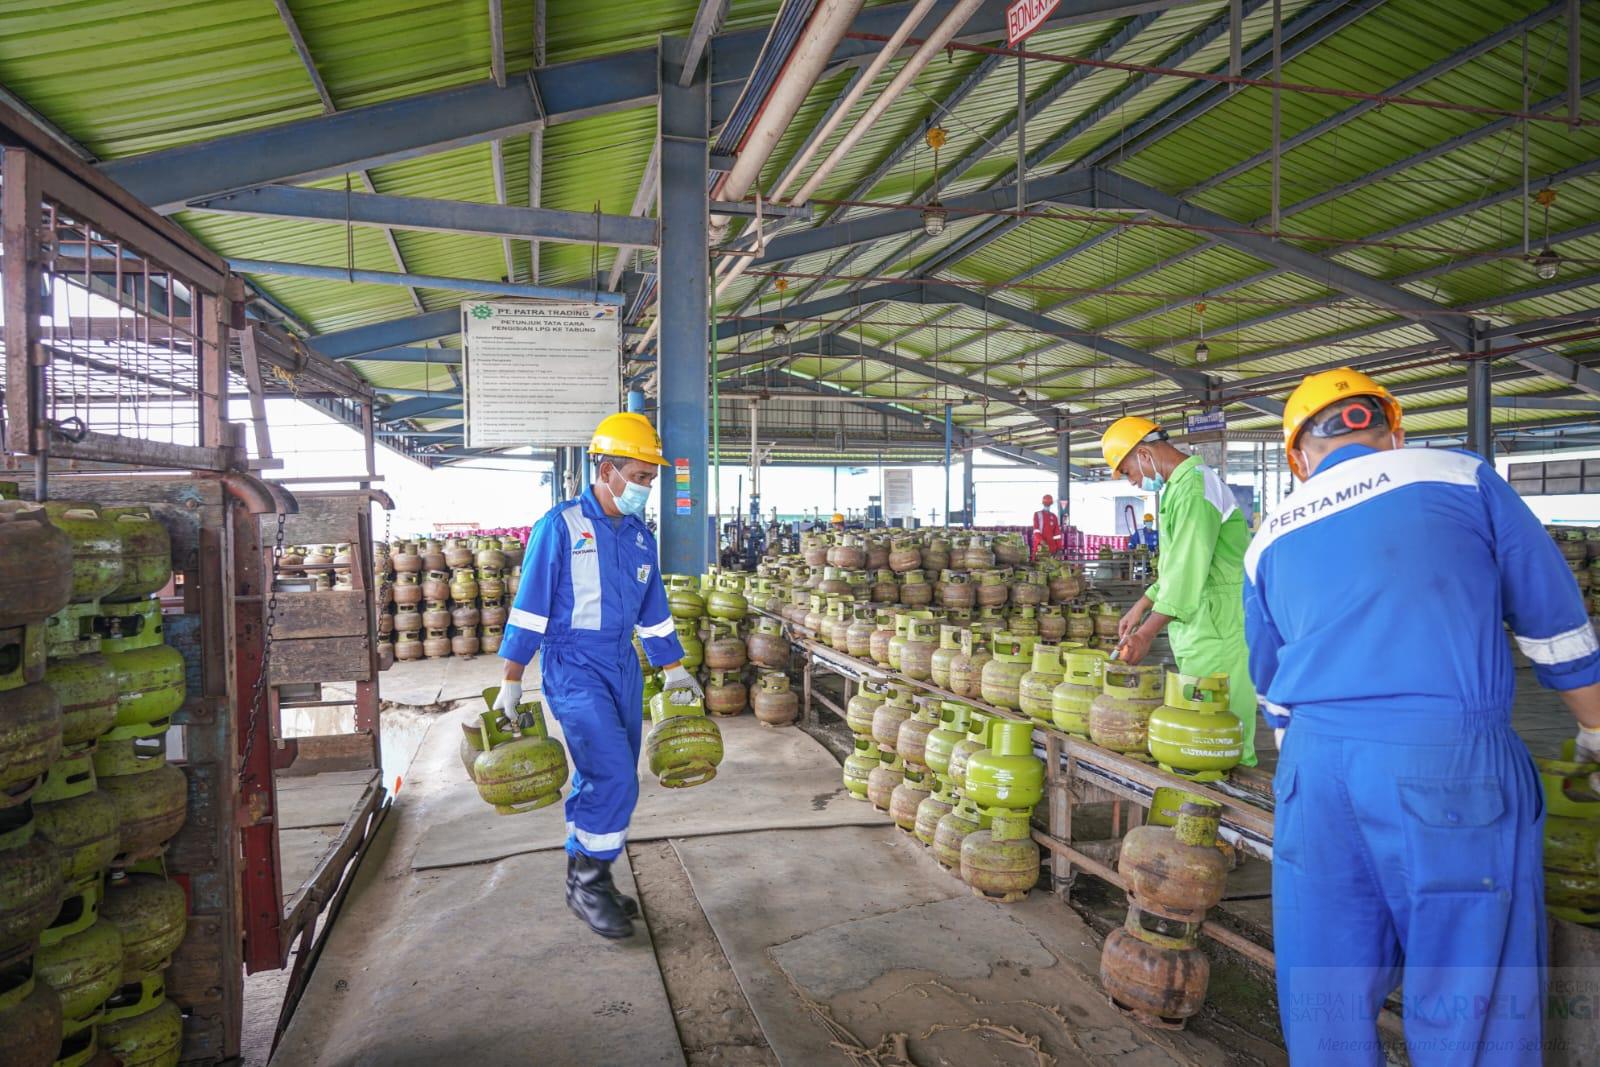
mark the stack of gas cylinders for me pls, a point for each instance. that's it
(1571, 838)
(88, 802)
(434, 598)
(1152, 967)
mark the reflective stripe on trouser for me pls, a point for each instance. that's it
(594, 688)
(1414, 843)
(1213, 643)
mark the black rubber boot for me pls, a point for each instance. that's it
(592, 898)
(630, 907)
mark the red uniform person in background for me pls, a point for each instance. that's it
(1046, 529)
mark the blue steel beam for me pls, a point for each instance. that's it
(417, 407)
(449, 356)
(426, 281)
(683, 366)
(440, 216)
(426, 123)
(347, 344)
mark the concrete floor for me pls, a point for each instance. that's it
(826, 945)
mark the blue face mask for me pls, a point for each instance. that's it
(1150, 483)
(632, 499)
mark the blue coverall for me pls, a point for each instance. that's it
(589, 581)
(1144, 537)
(1409, 822)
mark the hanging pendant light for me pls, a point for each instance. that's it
(934, 216)
(1202, 351)
(780, 334)
(1547, 264)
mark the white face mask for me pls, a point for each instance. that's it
(633, 498)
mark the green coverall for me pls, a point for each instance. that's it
(1203, 541)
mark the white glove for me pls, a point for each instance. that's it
(509, 699)
(679, 678)
(1277, 735)
(1588, 745)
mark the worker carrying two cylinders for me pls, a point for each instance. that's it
(1408, 828)
(1046, 530)
(1199, 592)
(590, 580)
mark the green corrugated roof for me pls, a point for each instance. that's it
(125, 77)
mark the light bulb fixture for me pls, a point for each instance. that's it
(934, 218)
(780, 334)
(781, 285)
(1547, 264)
(1202, 352)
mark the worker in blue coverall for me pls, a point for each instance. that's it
(1145, 536)
(590, 581)
(1409, 820)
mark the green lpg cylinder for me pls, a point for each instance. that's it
(1034, 692)
(79, 820)
(883, 779)
(146, 552)
(84, 968)
(87, 688)
(726, 602)
(694, 650)
(858, 767)
(1006, 774)
(652, 686)
(30, 739)
(949, 648)
(1572, 868)
(521, 767)
(683, 599)
(150, 914)
(977, 740)
(36, 576)
(1006, 781)
(954, 718)
(471, 745)
(1193, 734)
(151, 795)
(31, 886)
(911, 740)
(97, 562)
(1080, 684)
(73, 631)
(859, 711)
(952, 832)
(30, 1024)
(152, 1038)
(684, 747)
(935, 806)
(907, 797)
(886, 720)
(150, 674)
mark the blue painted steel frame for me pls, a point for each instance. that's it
(684, 362)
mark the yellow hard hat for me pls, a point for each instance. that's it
(1149, 517)
(1317, 391)
(628, 435)
(838, 517)
(1121, 438)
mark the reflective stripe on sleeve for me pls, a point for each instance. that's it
(1277, 715)
(1562, 648)
(527, 620)
(664, 628)
(600, 842)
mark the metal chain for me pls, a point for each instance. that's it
(258, 697)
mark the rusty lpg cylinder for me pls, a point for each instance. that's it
(916, 656)
(1159, 985)
(436, 643)
(1037, 686)
(766, 646)
(1119, 718)
(934, 807)
(956, 589)
(896, 708)
(31, 886)
(726, 694)
(436, 616)
(1066, 584)
(465, 642)
(858, 637)
(1052, 624)
(773, 702)
(1001, 678)
(152, 797)
(1176, 872)
(96, 548)
(949, 648)
(882, 634)
(966, 669)
(30, 1020)
(30, 739)
(1080, 627)
(906, 797)
(146, 552)
(74, 816)
(862, 707)
(952, 831)
(84, 967)
(436, 587)
(36, 568)
(911, 740)
(725, 650)
(905, 555)
(915, 590)
(884, 777)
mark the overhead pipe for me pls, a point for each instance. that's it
(925, 51)
(824, 31)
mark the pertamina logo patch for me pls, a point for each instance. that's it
(585, 544)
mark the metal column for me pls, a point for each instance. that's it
(1063, 478)
(968, 499)
(683, 414)
(1480, 430)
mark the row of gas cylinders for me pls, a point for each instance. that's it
(442, 599)
(722, 653)
(518, 767)
(1174, 871)
(905, 551)
(1571, 838)
(87, 800)
(792, 584)
(959, 781)
(879, 631)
